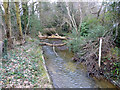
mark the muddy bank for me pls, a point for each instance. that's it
(94, 70)
(103, 72)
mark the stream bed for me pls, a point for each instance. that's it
(67, 74)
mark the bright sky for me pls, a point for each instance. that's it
(61, 0)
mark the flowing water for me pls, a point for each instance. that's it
(67, 74)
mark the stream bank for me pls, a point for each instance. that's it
(25, 67)
(67, 74)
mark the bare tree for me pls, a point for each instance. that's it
(8, 23)
(71, 17)
(18, 20)
(25, 16)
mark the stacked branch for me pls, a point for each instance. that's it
(91, 50)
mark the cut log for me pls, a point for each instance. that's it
(51, 37)
(55, 45)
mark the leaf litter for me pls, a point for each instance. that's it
(24, 68)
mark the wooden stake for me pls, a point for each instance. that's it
(99, 61)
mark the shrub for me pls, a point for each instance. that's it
(96, 32)
(76, 42)
(79, 40)
(84, 29)
(92, 21)
(35, 25)
(116, 70)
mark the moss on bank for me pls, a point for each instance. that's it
(24, 67)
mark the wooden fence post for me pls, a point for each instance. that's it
(100, 47)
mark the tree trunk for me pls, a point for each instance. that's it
(8, 24)
(71, 18)
(40, 12)
(0, 36)
(19, 20)
(98, 14)
(33, 8)
(25, 16)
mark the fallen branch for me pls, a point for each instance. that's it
(51, 37)
(55, 45)
(54, 50)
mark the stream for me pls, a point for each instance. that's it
(67, 74)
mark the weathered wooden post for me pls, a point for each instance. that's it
(100, 47)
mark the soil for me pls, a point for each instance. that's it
(107, 66)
